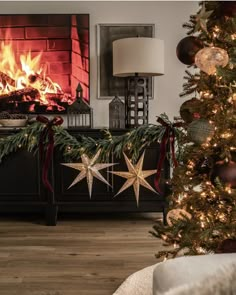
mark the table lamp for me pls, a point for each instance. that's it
(137, 59)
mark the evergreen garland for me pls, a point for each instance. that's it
(133, 141)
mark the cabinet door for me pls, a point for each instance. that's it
(103, 196)
(20, 177)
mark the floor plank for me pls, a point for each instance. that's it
(84, 255)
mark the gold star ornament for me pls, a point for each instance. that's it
(89, 169)
(135, 177)
(202, 18)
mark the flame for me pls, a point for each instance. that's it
(29, 73)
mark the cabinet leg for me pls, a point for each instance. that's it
(164, 216)
(51, 214)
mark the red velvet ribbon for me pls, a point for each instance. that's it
(47, 140)
(169, 135)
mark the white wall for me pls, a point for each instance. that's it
(168, 16)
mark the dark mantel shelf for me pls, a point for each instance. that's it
(21, 188)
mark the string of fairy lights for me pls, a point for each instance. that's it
(202, 211)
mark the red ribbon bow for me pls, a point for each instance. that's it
(169, 135)
(47, 135)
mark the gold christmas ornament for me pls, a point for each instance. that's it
(135, 176)
(200, 131)
(209, 57)
(177, 214)
(89, 169)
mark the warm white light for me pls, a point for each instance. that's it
(164, 237)
(233, 36)
(205, 145)
(228, 189)
(216, 29)
(175, 245)
(214, 111)
(226, 135)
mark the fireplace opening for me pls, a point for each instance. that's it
(43, 58)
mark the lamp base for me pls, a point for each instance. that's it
(136, 102)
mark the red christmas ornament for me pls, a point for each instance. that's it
(227, 246)
(228, 8)
(226, 173)
(190, 109)
(187, 48)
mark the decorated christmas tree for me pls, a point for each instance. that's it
(201, 214)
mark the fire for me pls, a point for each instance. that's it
(27, 81)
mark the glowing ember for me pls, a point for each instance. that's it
(28, 82)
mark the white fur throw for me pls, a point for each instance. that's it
(222, 282)
(186, 270)
(139, 283)
(201, 275)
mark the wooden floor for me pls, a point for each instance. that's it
(80, 256)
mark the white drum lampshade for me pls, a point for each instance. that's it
(140, 56)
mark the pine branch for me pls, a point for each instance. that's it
(132, 142)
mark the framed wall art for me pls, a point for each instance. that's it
(107, 85)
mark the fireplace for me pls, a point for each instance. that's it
(43, 58)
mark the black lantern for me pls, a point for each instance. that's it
(79, 113)
(116, 113)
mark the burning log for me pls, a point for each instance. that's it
(7, 79)
(45, 82)
(58, 100)
(20, 95)
(54, 96)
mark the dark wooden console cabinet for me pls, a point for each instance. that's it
(21, 188)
